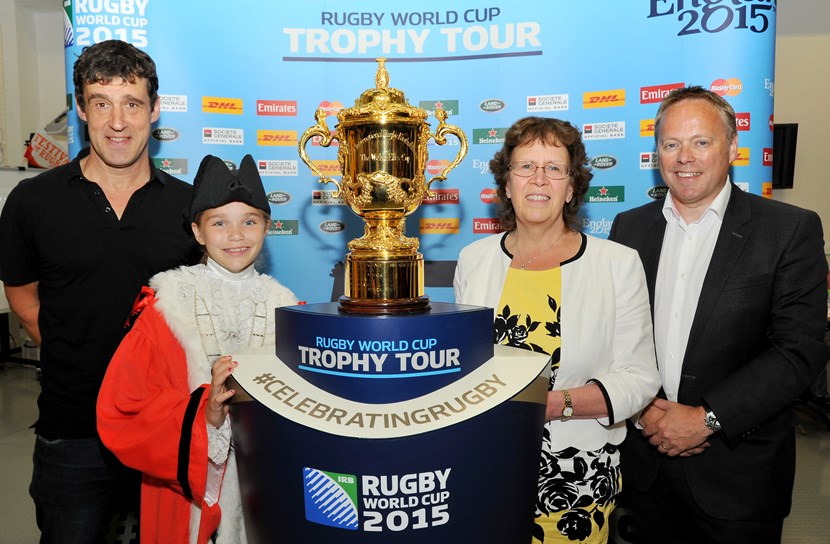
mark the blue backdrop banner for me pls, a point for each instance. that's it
(248, 77)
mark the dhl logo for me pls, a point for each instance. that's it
(743, 157)
(216, 104)
(647, 128)
(766, 189)
(444, 225)
(329, 168)
(604, 99)
(276, 137)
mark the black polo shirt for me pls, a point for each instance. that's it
(59, 230)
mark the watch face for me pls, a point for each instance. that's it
(567, 412)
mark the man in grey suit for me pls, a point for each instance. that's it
(738, 287)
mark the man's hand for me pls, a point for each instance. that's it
(217, 407)
(675, 429)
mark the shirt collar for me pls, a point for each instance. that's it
(716, 208)
(77, 173)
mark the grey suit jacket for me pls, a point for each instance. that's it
(755, 344)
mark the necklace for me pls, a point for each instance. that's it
(524, 264)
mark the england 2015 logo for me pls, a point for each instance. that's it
(330, 498)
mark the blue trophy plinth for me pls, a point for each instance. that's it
(389, 429)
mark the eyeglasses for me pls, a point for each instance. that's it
(552, 170)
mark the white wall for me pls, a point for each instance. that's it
(801, 82)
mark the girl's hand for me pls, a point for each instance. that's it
(217, 407)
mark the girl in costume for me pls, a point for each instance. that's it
(163, 406)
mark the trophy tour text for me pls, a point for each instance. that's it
(370, 356)
(400, 33)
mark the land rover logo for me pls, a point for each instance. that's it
(332, 227)
(166, 134)
(658, 192)
(603, 162)
(278, 197)
(492, 105)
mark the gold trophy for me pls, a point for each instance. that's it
(382, 155)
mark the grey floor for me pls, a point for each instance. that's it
(809, 522)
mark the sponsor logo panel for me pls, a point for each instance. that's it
(657, 192)
(440, 225)
(163, 134)
(443, 196)
(603, 99)
(331, 108)
(173, 102)
(227, 136)
(276, 107)
(727, 87)
(489, 196)
(649, 161)
(766, 189)
(450, 106)
(278, 197)
(436, 166)
(276, 137)
(604, 162)
(492, 105)
(284, 227)
(547, 102)
(605, 193)
(603, 131)
(218, 104)
(486, 225)
(483, 167)
(656, 93)
(767, 161)
(174, 167)
(328, 167)
(325, 197)
(647, 128)
(743, 157)
(271, 167)
(743, 120)
(489, 135)
(332, 227)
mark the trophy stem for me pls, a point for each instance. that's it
(384, 285)
(384, 233)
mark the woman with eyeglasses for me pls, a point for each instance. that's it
(582, 300)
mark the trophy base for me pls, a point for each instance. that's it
(384, 307)
(384, 284)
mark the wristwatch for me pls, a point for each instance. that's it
(568, 411)
(711, 421)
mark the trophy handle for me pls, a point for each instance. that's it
(440, 139)
(321, 129)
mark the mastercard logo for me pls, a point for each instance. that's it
(436, 166)
(727, 87)
(488, 196)
(331, 108)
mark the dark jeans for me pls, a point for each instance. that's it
(77, 485)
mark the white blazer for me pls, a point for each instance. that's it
(605, 324)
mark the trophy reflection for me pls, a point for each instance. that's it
(382, 155)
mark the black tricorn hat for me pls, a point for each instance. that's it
(216, 185)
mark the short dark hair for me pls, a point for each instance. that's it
(549, 131)
(696, 92)
(104, 61)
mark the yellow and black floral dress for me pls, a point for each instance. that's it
(577, 489)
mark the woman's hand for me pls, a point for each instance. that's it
(217, 407)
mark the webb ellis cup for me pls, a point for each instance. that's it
(382, 155)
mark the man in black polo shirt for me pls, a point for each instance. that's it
(77, 243)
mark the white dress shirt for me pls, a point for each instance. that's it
(684, 260)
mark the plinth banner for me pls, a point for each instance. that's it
(389, 429)
(250, 75)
